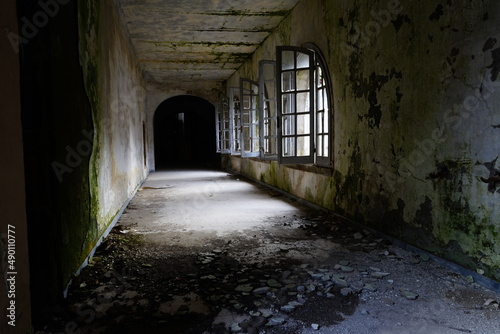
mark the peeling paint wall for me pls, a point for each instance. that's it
(115, 88)
(416, 121)
(82, 112)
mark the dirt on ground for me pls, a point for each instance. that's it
(204, 252)
(311, 274)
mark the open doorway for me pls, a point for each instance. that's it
(184, 133)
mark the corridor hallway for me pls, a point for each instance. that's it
(204, 251)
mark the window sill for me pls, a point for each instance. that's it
(316, 169)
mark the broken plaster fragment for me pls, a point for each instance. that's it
(275, 321)
(408, 294)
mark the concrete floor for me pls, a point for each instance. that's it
(238, 258)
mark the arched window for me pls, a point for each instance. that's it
(304, 113)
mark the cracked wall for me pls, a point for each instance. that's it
(416, 121)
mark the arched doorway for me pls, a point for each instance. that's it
(184, 133)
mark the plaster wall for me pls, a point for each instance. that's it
(416, 121)
(115, 87)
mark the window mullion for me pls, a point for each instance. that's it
(268, 110)
(295, 81)
(235, 120)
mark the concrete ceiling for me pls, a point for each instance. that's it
(199, 40)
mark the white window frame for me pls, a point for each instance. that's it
(295, 105)
(223, 128)
(250, 130)
(235, 120)
(319, 115)
(268, 110)
(323, 110)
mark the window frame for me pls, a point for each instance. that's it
(235, 120)
(324, 161)
(290, 118)
(250, 124)
(223, 131)
(268, 111)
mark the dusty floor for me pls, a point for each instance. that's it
(205, 252)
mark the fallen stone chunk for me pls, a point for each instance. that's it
(408, 294)
(357, 287)
(210, 277)
(301, 299)
(347, 269)
(261, 291)
(266, 313)
(345, 292)
(287, 308)
(275, 321)
(244, 288)
(358, 236)
(379, 274)
(274, 283)
(370, 287)
(316, 276)
(315, 326)
(489, 302)
(236, 328)
(339, 281)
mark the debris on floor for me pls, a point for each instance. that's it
(301, 275)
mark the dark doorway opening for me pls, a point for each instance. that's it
(184, 133)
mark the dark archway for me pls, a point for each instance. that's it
(184, 133)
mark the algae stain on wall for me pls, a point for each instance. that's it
(407, 161)
(90, 58)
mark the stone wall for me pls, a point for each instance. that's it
(416, 121)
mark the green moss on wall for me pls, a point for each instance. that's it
(90, 59)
